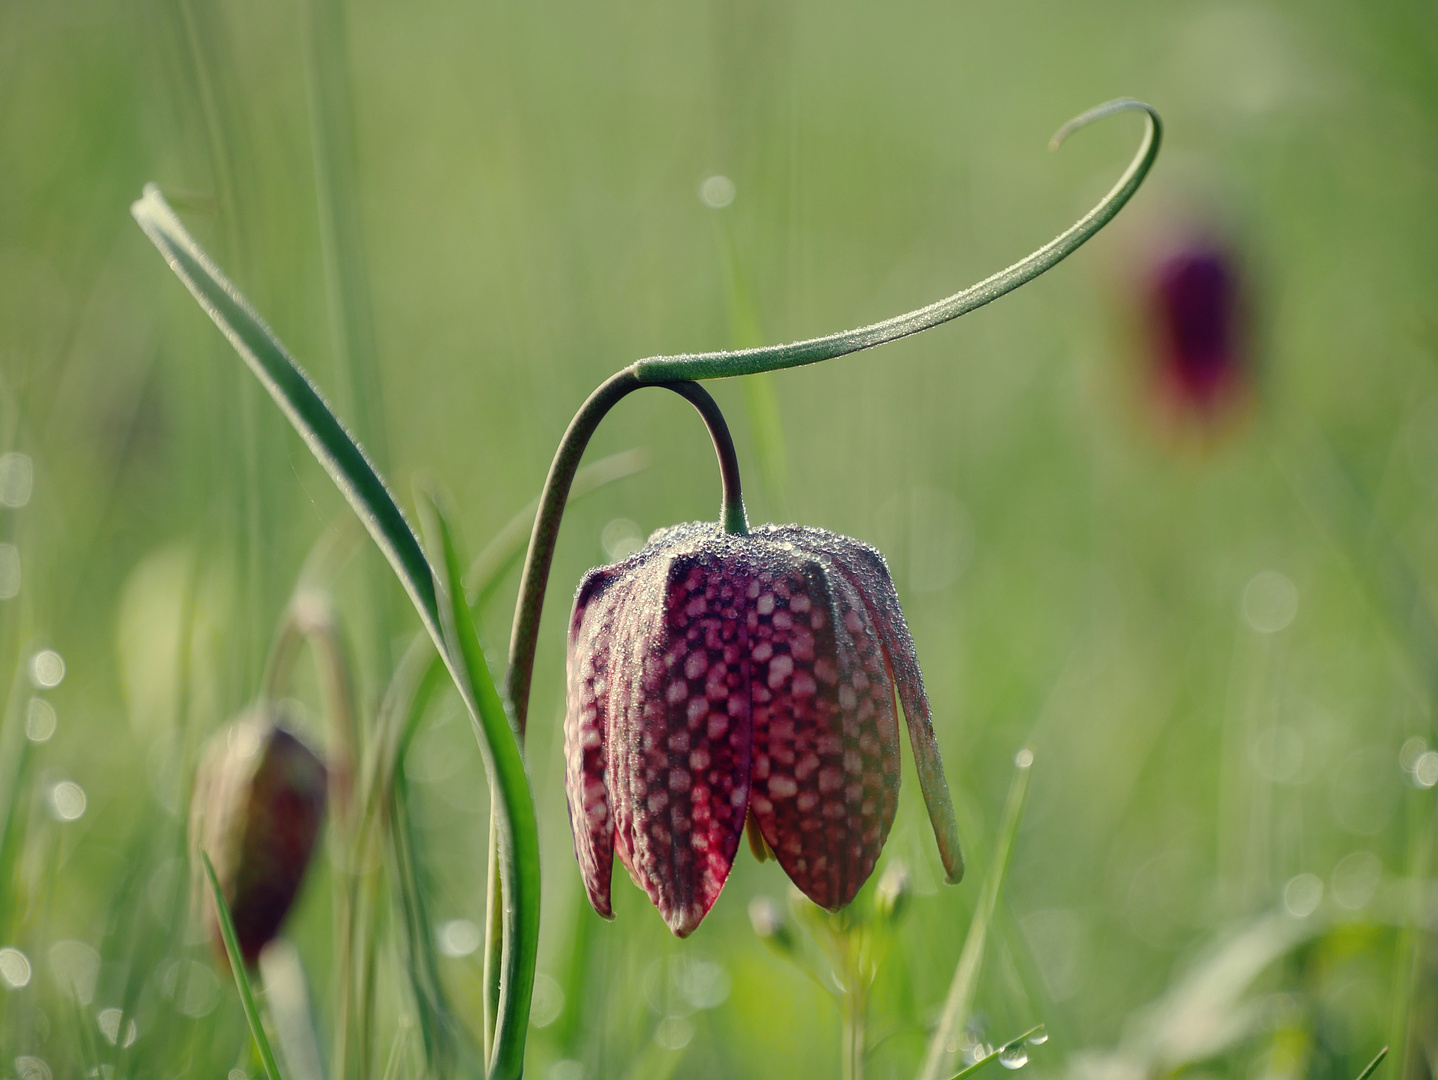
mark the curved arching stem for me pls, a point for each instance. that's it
(720, 365)
(535, 579)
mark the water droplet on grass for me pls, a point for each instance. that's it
(1014, 1057)
(1038, 1038)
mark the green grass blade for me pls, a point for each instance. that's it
(297, 397)
(1373, 1065)
(242, 978)
(517, 826)
(971, 957)
(1012, 1044)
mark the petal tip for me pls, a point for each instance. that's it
(684, 921)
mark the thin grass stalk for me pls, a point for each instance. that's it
(237, 968)
(342, 249)
(854, 1006)
(966, 974)
(210, 70)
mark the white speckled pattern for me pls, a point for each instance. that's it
(714, 675)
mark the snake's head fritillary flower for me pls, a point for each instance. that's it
(258, 804)
(1197, 325)
(717, 677)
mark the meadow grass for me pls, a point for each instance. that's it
(461, 220)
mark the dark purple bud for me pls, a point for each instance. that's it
(258, 804)
(715, 678)
(1197, 324)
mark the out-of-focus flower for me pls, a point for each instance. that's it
(891, 898)
(1194, 305)
(258, 804)
(716, 676)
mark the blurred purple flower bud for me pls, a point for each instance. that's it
(1195, 305)
(258, 803)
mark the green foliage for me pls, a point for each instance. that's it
(1077, 577)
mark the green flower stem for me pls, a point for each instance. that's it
(532, 585)
(723, 365)
(310, 617)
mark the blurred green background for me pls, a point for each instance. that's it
(1217, 641)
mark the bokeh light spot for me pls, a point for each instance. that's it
(548, 1001)
(1356, 879)
(458, 937)
(9, 571)
(619, 538)
(14, 968)
(1302, 895)
(717, 192)
(40, 720)
(1270, 601)
(17, 478)
(67, 801)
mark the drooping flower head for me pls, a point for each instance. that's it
(714, 677)
(1197, 323)
(258, 803)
